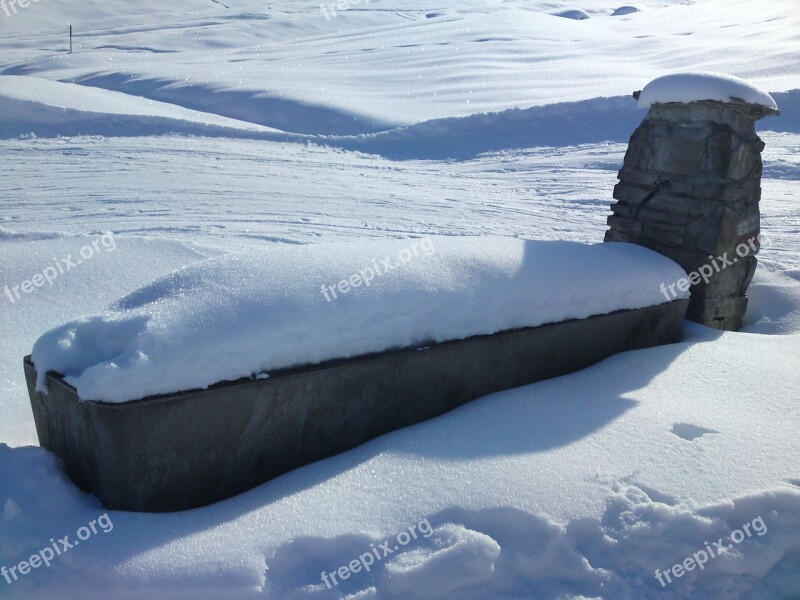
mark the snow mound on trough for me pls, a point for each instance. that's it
(242, 314)
(693, 87)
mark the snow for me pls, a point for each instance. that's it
(624, 10)
(579, 480)
(692, 87)
(383, 65)
(253, 312)
(402, 121)
(576, 14)
(30, 103)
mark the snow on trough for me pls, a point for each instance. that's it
(242, 314)
(691, 87)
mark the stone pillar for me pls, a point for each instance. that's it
(689, 189)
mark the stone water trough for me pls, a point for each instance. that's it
(180, 451)
(689, 188)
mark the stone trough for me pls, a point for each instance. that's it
(689, 189)
(184, 450)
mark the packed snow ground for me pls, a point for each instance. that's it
(229, 125)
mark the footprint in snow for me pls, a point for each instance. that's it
(690, 432)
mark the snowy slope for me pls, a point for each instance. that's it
(37, 105)
(374, 67)
(193, 129)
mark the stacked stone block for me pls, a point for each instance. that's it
(689, 189)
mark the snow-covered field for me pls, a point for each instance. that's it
(195, 129)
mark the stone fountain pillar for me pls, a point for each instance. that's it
(689, 189)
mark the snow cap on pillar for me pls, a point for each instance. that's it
(696, 87)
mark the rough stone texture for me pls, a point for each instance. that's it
(689, 189)
(190, 449)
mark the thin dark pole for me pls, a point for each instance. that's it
(70, 39)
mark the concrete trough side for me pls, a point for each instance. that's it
(193, 448)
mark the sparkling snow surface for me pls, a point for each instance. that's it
(194, 129)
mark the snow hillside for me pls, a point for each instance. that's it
(177, 133)
(374, 67)
(31, 103)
